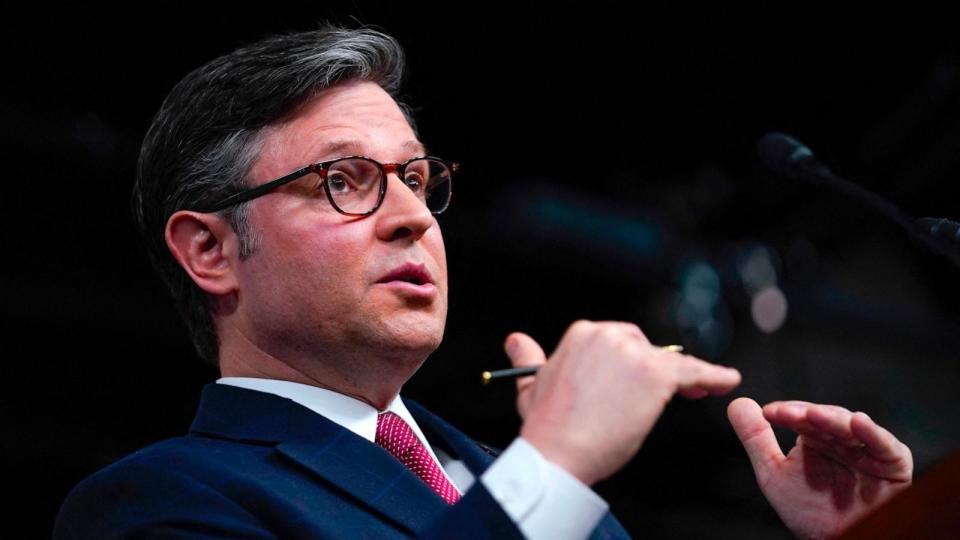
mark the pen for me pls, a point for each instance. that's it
(513, 373)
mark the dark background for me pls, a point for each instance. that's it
(608, 173)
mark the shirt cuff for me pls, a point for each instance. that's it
(545, 501)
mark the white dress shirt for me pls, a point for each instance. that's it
(544, 500)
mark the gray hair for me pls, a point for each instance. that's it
(207, 134)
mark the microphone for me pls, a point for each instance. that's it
(942, 228)
(787, 156)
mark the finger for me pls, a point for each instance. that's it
(756, 435)
(524, 351)
(859, 459)
(835, 421)
(693, 393)
(805, 404)
(880, 443)
(797, 405)
(786, 411)
(793, 416)
(695, 374)
(628, 328)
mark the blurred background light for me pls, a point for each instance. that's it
(769, 309)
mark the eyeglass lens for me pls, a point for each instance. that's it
(354, 183)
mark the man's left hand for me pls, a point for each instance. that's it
(843, 464)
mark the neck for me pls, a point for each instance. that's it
(371, 378)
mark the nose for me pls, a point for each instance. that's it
(402, 214)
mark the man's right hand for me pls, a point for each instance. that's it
(590, 407)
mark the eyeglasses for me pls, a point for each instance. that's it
(356, 185)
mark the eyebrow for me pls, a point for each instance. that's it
(355, 147)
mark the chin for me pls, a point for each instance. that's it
(426, 342)
(414, 336)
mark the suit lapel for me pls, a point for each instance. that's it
(360, 468)
(475, 456)
(372, 476)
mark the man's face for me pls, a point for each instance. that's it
(317, 284)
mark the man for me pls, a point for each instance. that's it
(289, 204)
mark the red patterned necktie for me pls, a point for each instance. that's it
(397, 438)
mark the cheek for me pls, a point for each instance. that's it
(332, 257)
(434, 245)
(309, 260)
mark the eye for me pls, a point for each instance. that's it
(339, 182)
(414, 180)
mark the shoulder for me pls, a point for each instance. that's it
(183, 480)
(188, 456)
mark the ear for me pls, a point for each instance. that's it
(204, 245)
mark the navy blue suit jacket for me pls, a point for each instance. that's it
(256, 465)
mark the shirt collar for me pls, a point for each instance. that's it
(351, 413)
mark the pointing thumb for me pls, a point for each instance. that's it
(756, 435)
(523, 350)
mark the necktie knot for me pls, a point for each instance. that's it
(396, 437)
